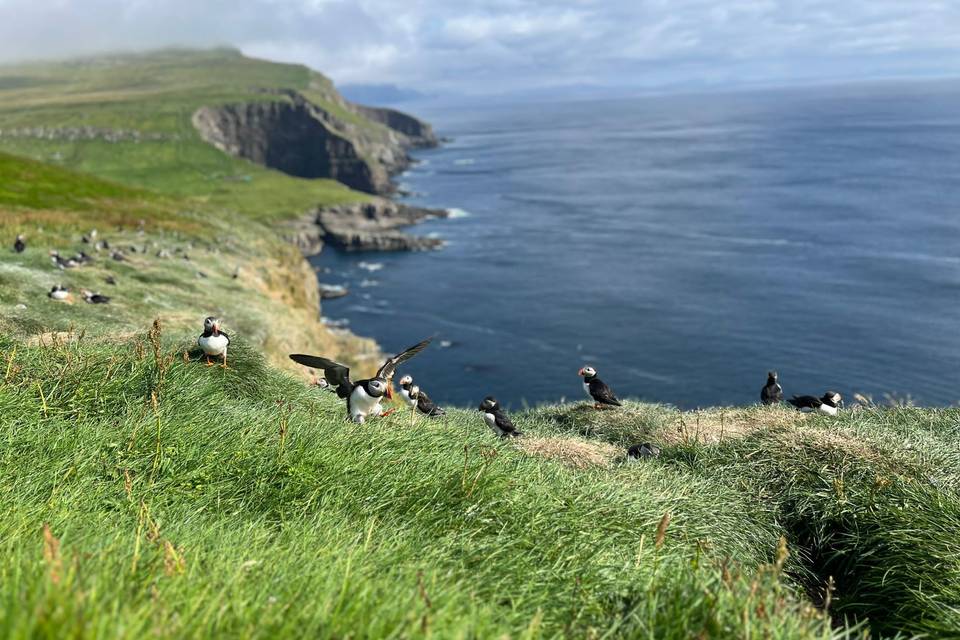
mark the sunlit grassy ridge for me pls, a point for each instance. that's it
(273, 299)
(155, 95)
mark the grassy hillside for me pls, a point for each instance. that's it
(112, 145)
(147, 494)
(138, 109)
(272, 300)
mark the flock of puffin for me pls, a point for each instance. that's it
(60, 293)
(363, 397)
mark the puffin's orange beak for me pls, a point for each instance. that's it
(580, 373)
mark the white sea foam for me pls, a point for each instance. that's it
(370, 266)
(463, 162)
(454, 212)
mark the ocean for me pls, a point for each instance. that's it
(682, 246)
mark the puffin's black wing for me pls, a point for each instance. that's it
(338, 375)
(427, 406)
(805, 402)
(602, 393)
(390, 366)
(505, 425)
(771, 394)
(224, 334)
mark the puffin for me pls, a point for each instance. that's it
(595, 388)
(415, 397)
(772, 393)
(641, 451)
(363, 396)
(496, 419)
(829, 404)
(59, 292)
(213, 341)
(19, 244)
(94, 298)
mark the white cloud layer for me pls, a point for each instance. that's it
(492, 46)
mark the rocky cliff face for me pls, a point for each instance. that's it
(419, 133)
(288, 136)
(293, 134)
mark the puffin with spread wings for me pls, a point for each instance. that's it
(363, 396)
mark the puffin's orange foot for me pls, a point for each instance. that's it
(387, 412)
(209, 362)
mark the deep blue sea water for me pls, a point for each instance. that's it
(683, 246)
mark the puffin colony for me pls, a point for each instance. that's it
(363, 397)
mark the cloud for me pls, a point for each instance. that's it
(491, 46)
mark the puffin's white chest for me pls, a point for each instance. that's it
(59, 295)
(213, 345)
(363, 404)
(405, 394)
(491, 421)
(827, 409)
(586, 389)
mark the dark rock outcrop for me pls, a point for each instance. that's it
(332, 291)
(363, 226)
(356, 240)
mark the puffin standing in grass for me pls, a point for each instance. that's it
(829, 404)
(596, 389)
(417, 399)
(19, 244)
(772, 393)
(496, 419)
(363, 396)
(213, 341)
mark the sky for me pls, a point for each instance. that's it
(477, 47)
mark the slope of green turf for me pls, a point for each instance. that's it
(186, 501)
(155, 95)
(181, 263)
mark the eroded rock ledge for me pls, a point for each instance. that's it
(364, 226)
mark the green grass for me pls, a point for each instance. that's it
(188, 501)
(273, 300)
(156, 94)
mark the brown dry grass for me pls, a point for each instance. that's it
(715, 425)
(578, 454)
